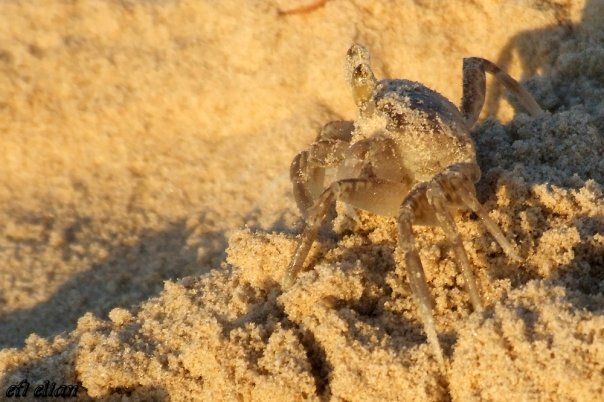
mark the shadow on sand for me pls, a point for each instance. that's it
(127, 277)
(563, 66)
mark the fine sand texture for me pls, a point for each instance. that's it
(147, 217)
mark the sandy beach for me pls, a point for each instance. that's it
(147, 216)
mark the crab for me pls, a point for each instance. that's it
(408, 155)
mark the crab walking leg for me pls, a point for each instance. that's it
(417, 278)
(437, 200)
(470, 200)
(457, 183)
(317, 215)
(374, 195)
(474, 88)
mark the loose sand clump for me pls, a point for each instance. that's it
(140, 137)
(537, 325)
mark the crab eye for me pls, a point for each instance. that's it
(357, 54)
(363, 84)
(352, 52)
(361, 73)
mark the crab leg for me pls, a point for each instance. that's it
(317, 215)
(416, 276)
(381, 197)
(474, 88)
(456, 183)
(374, 195)
(437, 200)
(470, 200)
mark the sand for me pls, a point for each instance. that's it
(146, 216)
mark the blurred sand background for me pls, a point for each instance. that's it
(139, 138)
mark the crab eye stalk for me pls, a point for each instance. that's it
(361, 77)
(363, 84)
